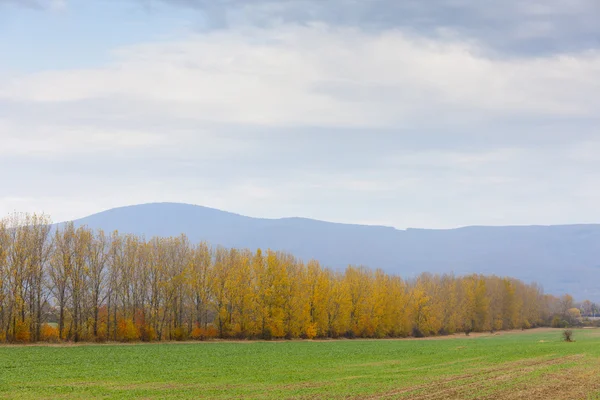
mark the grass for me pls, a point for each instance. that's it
(532, 365)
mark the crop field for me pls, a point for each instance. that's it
(534, 364)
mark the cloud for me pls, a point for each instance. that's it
(508, 27)
(40, 4)
(56, 141)
(24, 3)
(322, 76)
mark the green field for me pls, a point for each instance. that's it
(532, 365)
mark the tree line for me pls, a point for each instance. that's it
(76, 284)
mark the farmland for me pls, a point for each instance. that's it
(533, 364)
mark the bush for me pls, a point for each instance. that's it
(102, 334)
(267, 334)
(558, 322)
(22, 334)
(179, 334)
(126, 331)
(311, 331)
(241, 335)
(49, 333)
(147, 333)
(211, 332)
(568, 335)
(416, 332)
(197, 333)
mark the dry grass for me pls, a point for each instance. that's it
(570, 377)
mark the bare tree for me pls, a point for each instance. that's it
(96, 275)
(61, 264)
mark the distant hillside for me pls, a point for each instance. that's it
(561, 258)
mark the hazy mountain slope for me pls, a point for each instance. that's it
(561, 258)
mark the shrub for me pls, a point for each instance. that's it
(127, 331)
(179, 334)
(497, 325)
(416, 332)
(147, 333)
(568, 335)
(267, 334)
(199, 333)
(49, 333)
(350, 334)
(211, 332)
(102, 334)
(557, 322)
(22, 334)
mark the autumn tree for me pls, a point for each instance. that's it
(475, 304)
(338, 304)
(201, 278)
(317, 293)
(243, 300)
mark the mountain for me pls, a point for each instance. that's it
(563, 259)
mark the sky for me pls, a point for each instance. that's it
(426, 114)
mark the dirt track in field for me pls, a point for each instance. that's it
(535, 379)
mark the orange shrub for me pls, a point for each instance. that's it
(22, 334)
(211, 332)
(199, 333)
(127, 331)
(49, 333)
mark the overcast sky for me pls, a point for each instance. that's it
(405, 113)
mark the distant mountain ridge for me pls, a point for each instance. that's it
(563, 258)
